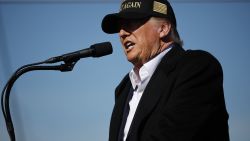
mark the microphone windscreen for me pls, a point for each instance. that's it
(101, 49)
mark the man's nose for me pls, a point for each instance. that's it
(123, 33)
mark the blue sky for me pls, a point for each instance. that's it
(63, 106)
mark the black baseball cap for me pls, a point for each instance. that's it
(138, 9)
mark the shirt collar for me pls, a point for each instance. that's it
(147, 70)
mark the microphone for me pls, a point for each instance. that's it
(95, 50)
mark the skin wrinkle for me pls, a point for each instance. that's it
(148, 38)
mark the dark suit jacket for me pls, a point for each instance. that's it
(183, 101)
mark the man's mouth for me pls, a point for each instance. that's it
(129, 45)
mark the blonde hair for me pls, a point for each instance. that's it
(173, 34)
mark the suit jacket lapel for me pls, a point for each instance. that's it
(155, 88)
(120, 100)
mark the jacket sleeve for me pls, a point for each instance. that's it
(195, 110)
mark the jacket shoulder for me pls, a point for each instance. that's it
(200, 57)
(121, 85)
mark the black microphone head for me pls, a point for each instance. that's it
(101, 49)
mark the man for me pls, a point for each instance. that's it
(170, 94)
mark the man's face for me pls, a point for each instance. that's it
(140, 40)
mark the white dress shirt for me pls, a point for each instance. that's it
(139, 84)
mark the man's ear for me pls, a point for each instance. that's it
(165, 29)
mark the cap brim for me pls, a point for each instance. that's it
(111, 22)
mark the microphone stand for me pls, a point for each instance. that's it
(67, 66)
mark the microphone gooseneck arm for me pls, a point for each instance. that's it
(70, 59)
(7, 89)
